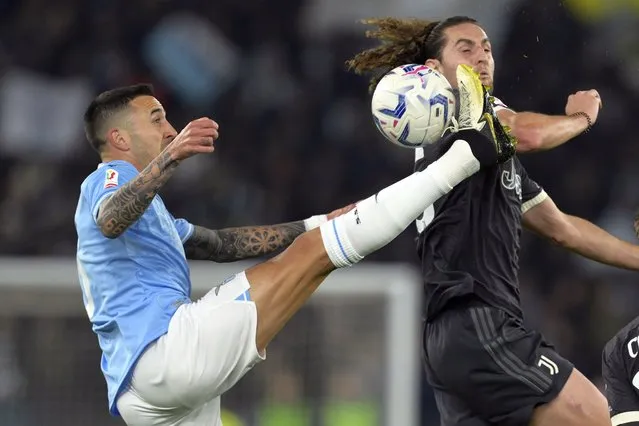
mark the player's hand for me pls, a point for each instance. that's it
(198, 137)
(339, 212)
(586, 101)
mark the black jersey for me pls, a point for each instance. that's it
(620, 371)
(469, 239)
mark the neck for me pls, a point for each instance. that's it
(107, 156)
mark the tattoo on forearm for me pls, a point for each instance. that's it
(128, 203)
(228, 245)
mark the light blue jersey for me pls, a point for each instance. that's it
(132, 285)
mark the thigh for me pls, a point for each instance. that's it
(494, 367)
(453, 411)
(135, 411)
(578, 404)
(209, 346)
(212, 343)
(282, 285)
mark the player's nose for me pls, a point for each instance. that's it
(169, 129)
(170, 134)
(482, 57)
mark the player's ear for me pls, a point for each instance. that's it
(118, 138)
(434, 64)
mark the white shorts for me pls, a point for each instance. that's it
(209, 346)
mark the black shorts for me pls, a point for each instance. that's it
(485, 368)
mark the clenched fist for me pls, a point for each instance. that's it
(197, 137)
(587, 101)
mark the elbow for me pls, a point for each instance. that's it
(224, 260)
(108, 230)
(529, 135)
(110, 234)
(567, 237)
(559, 240)
(529, 139)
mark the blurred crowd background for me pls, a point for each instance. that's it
(297, 139)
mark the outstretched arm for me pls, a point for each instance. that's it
(581, 236)
(539, 132)
(232, 244)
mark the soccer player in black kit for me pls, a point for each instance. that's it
(484, 366)
(620, 371)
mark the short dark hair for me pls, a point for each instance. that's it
(105, 105)
(403, 41)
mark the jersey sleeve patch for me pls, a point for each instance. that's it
(111, 178)
(105, 181)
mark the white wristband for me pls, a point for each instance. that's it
(314, 221)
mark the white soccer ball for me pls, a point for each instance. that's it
(412, 105)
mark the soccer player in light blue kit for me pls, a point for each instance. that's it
(167, 359)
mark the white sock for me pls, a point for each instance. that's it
(379, 219)
(314, 221)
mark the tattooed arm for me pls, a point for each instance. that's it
(231, 244)
(128, 203)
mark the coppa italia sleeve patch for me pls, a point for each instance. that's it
(111, 179)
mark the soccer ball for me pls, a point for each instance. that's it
(412, 105)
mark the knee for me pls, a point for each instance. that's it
(579, 403)
(591, 411)
(599, 414)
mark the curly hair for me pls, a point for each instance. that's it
(403, 41)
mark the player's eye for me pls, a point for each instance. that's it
(157, 120)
